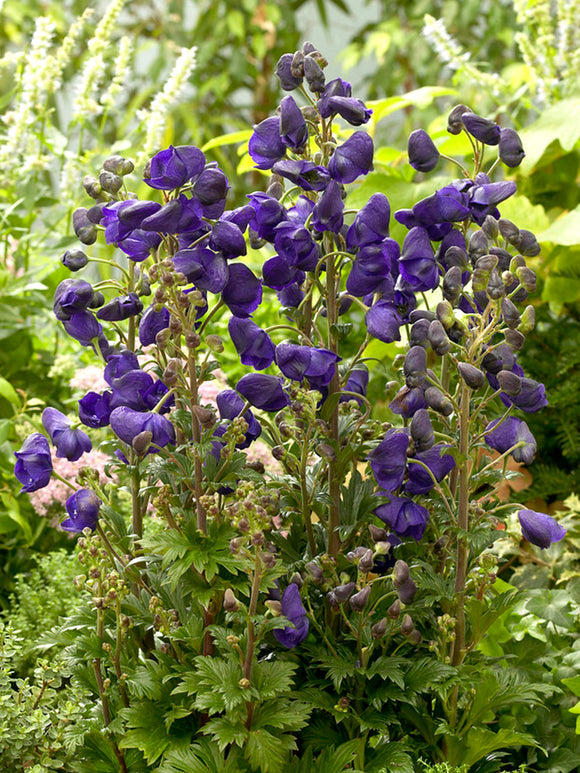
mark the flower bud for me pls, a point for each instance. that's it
(495, 287)
(528, 321)
(85, 231)
(365, 564)
(477, 245)
(296, 579)
(438, 401)
(407, 591)
(483, 129)
(445, 314)
(315, 572)
(438, 339)
(379, 629)
(231, 604)
(490, 227)
(510, 313)
(473, 377)
(214, 343)
(74, 259)
(452, 284)
(342, 592)
(515, 339)
(423, 155)
(92, 186)
(509, 231)
(418, 333)
(359, 601)
(394, 611)
(511, 151)
(407, 625)
(422, 430)
(415, 366)
(325, 452)
(509, 382)
(205, 416)
(377, 534)
(528, 244)
(400, 573)
(314, 75)
(415, 637)
(110, 182)
(441, 544)
(527, 278)
(274, 606)
(118, 165)
(454, 122)
(142, 441)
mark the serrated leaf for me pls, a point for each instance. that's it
(267, 752)
(387, 668)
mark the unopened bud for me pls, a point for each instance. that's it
(359, 601)
(509, 382)
(205, 416)
(110, 182)
(441, 544)
(274, 606)
(325, 451)
(366, 562)
(454, 122)
(169, 376)
(342, 592)
(315, 572)
(400, 573)
(509, 231)
(118, 165)
(495, 287)
(394, 611)
(231, 603)
(452, 284)
(490, 227)
(528, 320)
(407, 625)
(92, 186)
(214, 343)
(407, 591)
(477, 245)
(473, 377)
(527, 278)
(528, 244)
(438, 338)
(85, 231)
(142, 441)
(438, 401)
(379, 629)
(510, 313)
(515, 339)
(377, 534)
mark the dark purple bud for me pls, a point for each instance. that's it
(540, 529)
(227, 238)
(407, 401)
(111, 183)
(473, 377)
(315, 572)
(74, 259)
(388, 460)
(95, 409)
(407, 625)
(84, 327)
(305, 174)
(532, 396)
(394, 611)
(377, 534)
(343, 592)
(438, 401)
(438, 338)
(118, 165)
(266, 145)
(294, 611)
(127, 424)
(482, 129)
(515, 339)
(365, 563)
(379, 629)
(173, 167)
(299, 362)
(418, 334)
(243, 291)
(422, 430)
(70, 443)
(371, 224)
(85, 231)
(288, 81)
(359, 600)
(211, 187)
(327, 214)
(423, 155)
(415, 366)
(439, 461)
(405, 517)
(314, 75)
(383, 322)
(452, 283)
(509, 231)
(478, 245)
(33, 463)
(293, 129)
(253, 344)
(503, 435)
(511, 151)
(495, 287)
(263, 391)
(509, 382)
(83, 511)
(454, 122)
(121, 308)
(510, 313)
(352, 159)
(528, 244)
(400, 573)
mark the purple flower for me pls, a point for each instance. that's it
(408, 401)
(70, 443)
(230, 405)
(70, 296)
(423, 155)
(119, 364)
(388, 460)
(33, 463)
(354, 111)
(293, 129)
(207, 269)
(511, 151)
(263, 391)
(268, 212)
(84, 327)
(83, 511)
(138, 244)
(291, 296)
(422, 430)
(227, 238)
(293, 610)
(383, 322)
(151, 323)
(210, 188)
(173, 167)
(243, 291)
(305, 174)
(95, 409)
(74, 259)
(327, 214)
(482, 129)
(253, 344)
(371, 223)
(334, 88)
(509, 432)
(296, 246)
(405, 517)
(132, 214)
(540, 529)
(532, 396)
(373, 264)
(417, 262)
(288, 81)
(121, 308)
(352, 159)
(180, 214)
(277, 273)
(299, 362)
(127, 424)
(438, 460)
(137, 389)
(266, 145)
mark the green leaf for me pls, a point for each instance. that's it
(387, 668)
(232, 138)
(553, 127)
(480, 742)
(8, 392)
(267, 752)
(565, 230)
(226, 731)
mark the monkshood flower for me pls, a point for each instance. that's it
(151, 323)
(127, 424)
(70, 443)
(173, 167)
(211, 188)
(484, 196)
(95, 409)
(293, 129)
(83, 511)
(354, 111)
(301, 210)
(373, 264)
(510, 149)
(121, 308)
(383, 322)
(291, 296)
(503, 435)
(268, 212)
(334, 88)
(482, 129)
(119, 364)
(70, 296)
(33, 463)
(134, 212)
(371, 224)
(405, 517)
(243, 291)
(423, 155)
(115, 229)
(532, 396)
(207, 269)
(388, 460)
(408, 401)
(230, 405)
(277, 273)
(357, 382)
(417, 263)
(139, 244)
(263, 391)
(327, 214)
(227, 238)
(540, 529)
(266, 145)
(422, 430)
(352, 159)
(138, 390)
(305, 174)
(438, 459)
(288, 81)
(180, 214)
(253, 344)
(74, 259)
(84, 327)
(299, 362)
(292, 608)
(296, 246)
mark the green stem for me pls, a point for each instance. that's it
(463, 524)
(334, 386)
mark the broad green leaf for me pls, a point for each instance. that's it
(8, 392)
(555, 125)
(565, 230)
(527, 215)
(232, 138)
